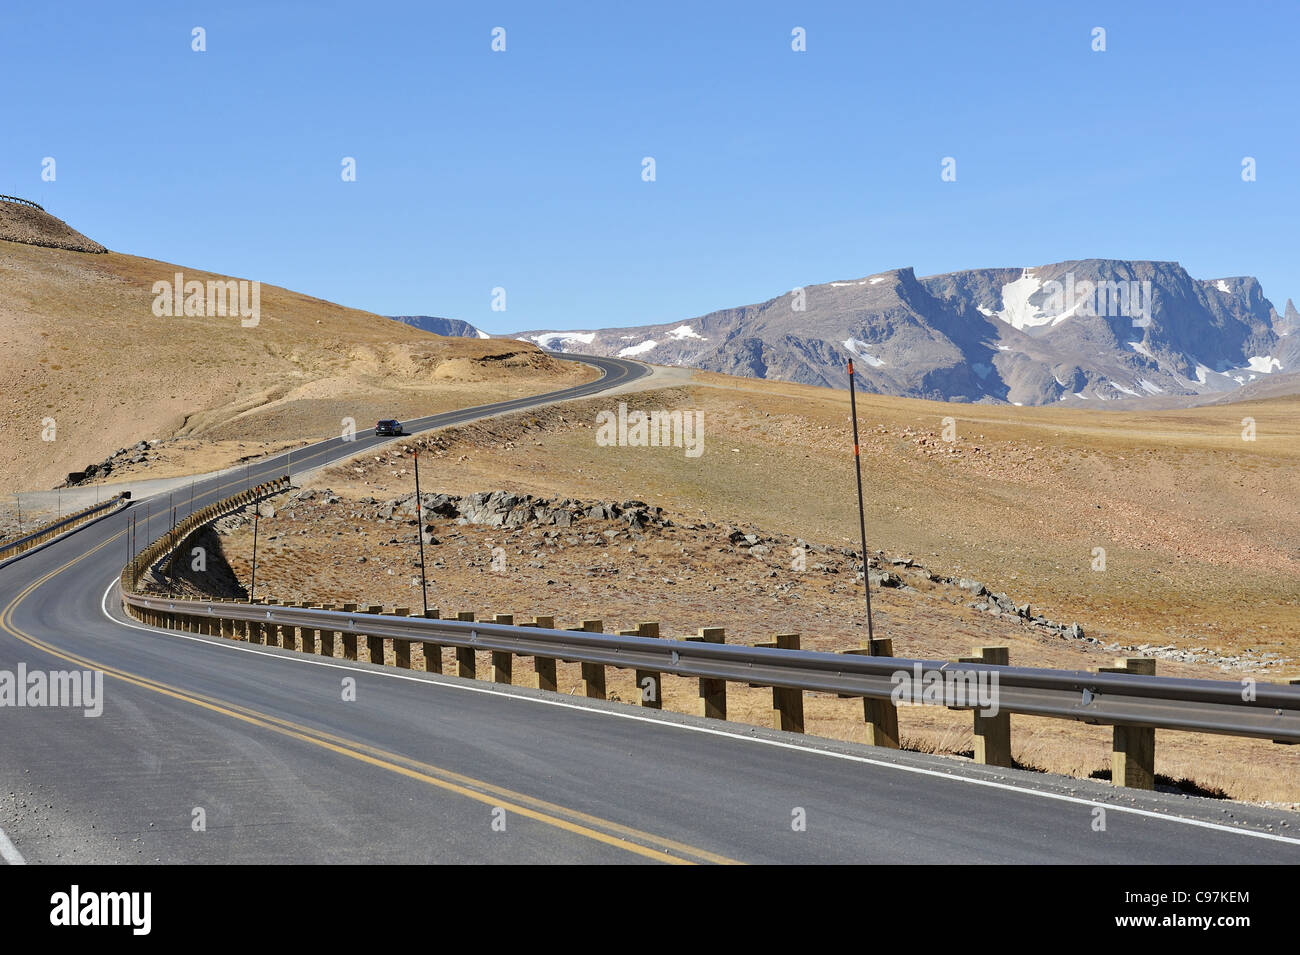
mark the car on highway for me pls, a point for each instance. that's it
(388, 426)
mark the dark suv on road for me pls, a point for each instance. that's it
(388, 427)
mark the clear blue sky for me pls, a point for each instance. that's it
(522, 169)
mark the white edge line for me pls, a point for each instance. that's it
(9, 852)
(918, 770)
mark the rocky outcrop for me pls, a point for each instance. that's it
(136, 454)
(508, 510)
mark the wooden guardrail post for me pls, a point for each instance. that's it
(992, 733)
(465, 663)
(503, 660)
(1294, 681)
(432, 651)
(255, 626)
(713, 693)
(375, 645)
(593, 674)
(289, 633)
(881, 715)
(402, 648)
(326, 636)
(1133, 756)
(544, 668)
(308, 634)
(787, 702)
(649, 683)
(271, 632)
(349, 639)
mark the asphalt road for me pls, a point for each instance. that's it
(262, 746)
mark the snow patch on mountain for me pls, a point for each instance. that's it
(1016, 308)
(1264, 363)
(641, 349)
(859, 350)
(544, 341)
(1018, 312)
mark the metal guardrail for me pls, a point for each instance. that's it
(1202, 706)
(165, 545)
(19, 545)
(1130, 697)
(21, 202)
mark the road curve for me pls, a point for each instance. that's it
(423, 769)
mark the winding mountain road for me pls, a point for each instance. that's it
(422, 768)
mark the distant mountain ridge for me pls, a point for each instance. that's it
(451, 327)
(1094, 329)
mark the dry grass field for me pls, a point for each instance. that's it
(1200, 530)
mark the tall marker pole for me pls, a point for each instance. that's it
(171, 536)
(862, 518)
(252, 585)
(419, 519)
